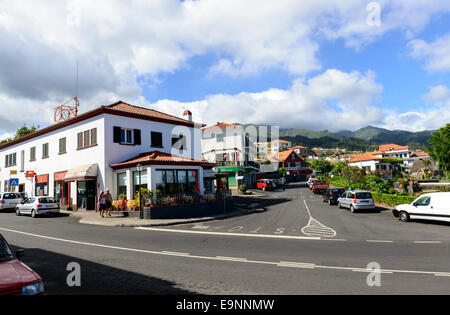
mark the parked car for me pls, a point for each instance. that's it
(24, 195)
(433, 206)
(332, 194)
(356, 200)
(311, 181)
(9, 200)
(319, 186)
(264, 184)
(37, 206)
(16, 277)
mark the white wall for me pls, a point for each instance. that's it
(56, 163)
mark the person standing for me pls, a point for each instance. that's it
(108, 202)
(102, 203)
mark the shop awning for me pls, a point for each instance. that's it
(83, 172)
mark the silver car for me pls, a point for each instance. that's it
(9, 200)
(35, 206)
(356, 200)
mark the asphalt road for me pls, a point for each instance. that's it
(298, 245)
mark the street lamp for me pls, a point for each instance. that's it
(139, 169)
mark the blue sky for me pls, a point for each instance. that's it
(296, 64)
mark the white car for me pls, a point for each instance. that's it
(310, 182)
(356, 200)
(9, 200)
(433, 206)
(37, 206)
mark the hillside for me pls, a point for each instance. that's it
(366, 138)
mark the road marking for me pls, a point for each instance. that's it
(290, 264)
(256, 230)
(315, 228)
(229, 234)
(233, 259)
(200, 227)
(176, 253)
(379, 241)
(428, 242)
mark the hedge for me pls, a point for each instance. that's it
(392, 200)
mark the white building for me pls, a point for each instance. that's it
(76, 159)
(276, 145)
(233, 149)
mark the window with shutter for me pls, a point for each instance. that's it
(137, 136)
(156, 140)
(94, 136)
(80, 140)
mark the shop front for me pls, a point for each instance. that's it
(84, 179)
(41, 185)
(61, 189)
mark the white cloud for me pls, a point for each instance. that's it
(117, 41)
(303, 105)
(437, 94)
(436, 54)
(430, 118)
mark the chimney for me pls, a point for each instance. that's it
(187, 115)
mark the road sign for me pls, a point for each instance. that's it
(13, 182)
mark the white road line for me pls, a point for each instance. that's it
(176, 253)
(229, 234)
(290, 264)
(232, 259)
(200, 227)
(315, 228)
(379, 241)
(428, 242)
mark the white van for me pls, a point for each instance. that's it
(433, 206)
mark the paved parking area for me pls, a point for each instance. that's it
(297, 212)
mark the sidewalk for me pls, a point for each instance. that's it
(117, 220)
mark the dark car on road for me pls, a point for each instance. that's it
(15, 277)
(332, 194)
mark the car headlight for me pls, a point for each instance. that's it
(33, 289)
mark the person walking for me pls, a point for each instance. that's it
(108, 202)
(102, 203)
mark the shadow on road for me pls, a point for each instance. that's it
(96, 279)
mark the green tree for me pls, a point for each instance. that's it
(321, 165)
(439, 150)
(338, 167)
(23, 131)
(282, 171)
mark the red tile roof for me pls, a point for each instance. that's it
(222, 125)
(387, 147)
(161, 158)
(142, 111)
(367, 156)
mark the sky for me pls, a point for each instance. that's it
(319, 65)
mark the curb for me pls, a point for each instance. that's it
(219, 217)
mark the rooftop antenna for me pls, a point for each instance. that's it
(67, 111)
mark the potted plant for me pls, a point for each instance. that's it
(243, 189)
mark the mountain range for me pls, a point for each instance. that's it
(367, 138)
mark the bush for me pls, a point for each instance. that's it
(392, 200)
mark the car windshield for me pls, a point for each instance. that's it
(5, 252)
(338, 191)
(47, 200)
(364, 195)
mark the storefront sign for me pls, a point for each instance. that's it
(30, 174)
(60, 176)
(42, 179)
(13, 172)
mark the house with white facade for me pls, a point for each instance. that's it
(101, 149)
(233, 150)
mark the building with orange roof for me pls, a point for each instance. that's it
(72, 161)
(300, 150)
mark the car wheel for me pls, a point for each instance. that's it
(352, 209)
(403, 216)
(33, 213)
(17, 212)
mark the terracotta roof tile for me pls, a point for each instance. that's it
(387, 147)
(158, 158)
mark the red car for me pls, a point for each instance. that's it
(319, 186)
(17, 278)
(264, 184)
